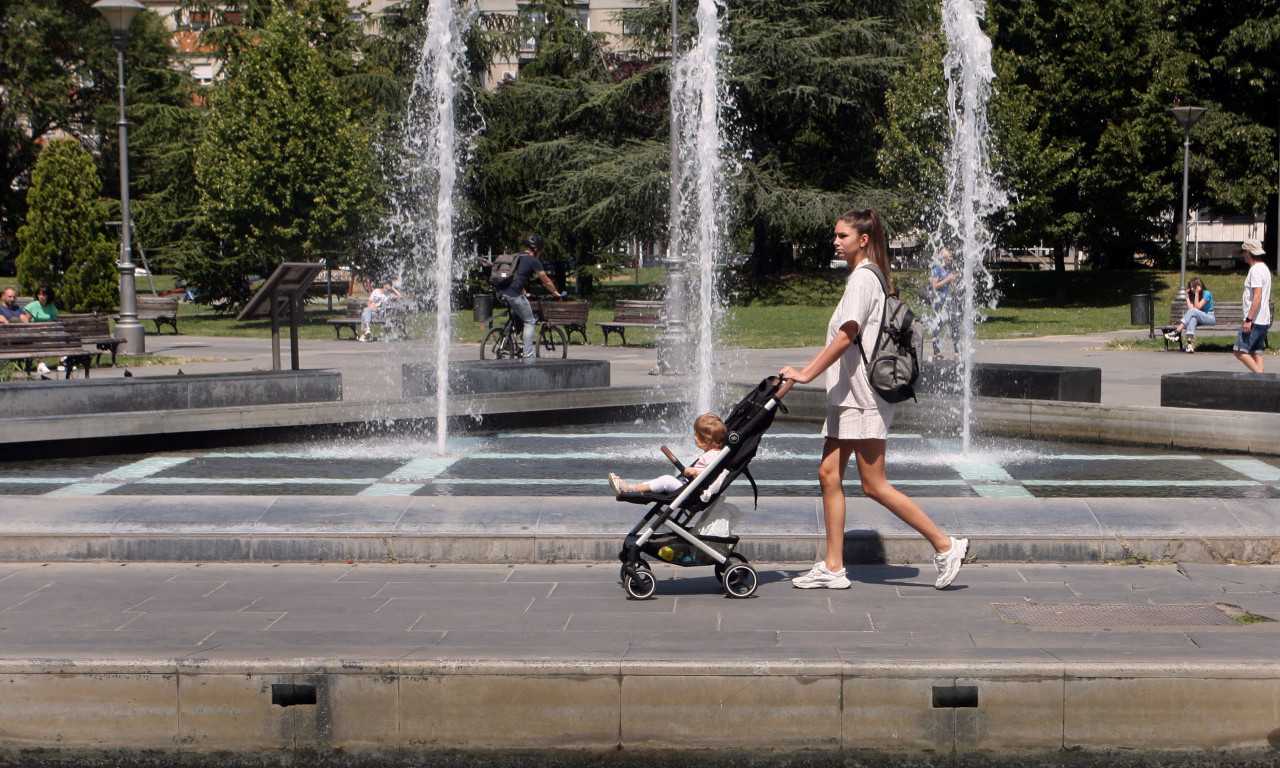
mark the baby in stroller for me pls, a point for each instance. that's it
(708, 433)
(690, 523)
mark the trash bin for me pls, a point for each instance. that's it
(482, 307)
(1140, 309)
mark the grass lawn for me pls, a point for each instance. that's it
(793, 310)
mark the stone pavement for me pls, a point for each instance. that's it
(1032, 664)
(389, 663)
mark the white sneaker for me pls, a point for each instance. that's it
(1172, 335)
(948, 563)
(42, 368)
(821, 576)
(1191, 347)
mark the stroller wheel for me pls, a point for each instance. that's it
(740, 580)
(722, 567)
(622, 574)
(638, 582)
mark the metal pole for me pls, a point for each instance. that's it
(1186, 174)
(127, 327)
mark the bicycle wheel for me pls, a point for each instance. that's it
(552, 342)
(497, 345)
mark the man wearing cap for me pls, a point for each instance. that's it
(1256, 301)
(527, 266)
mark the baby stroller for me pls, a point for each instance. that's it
(683, 545)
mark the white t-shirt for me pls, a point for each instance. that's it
(862, 303)
(1258, 279)
(378, 297)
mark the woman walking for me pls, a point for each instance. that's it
(858, 419)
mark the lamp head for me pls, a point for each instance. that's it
(119, 15)
(1187, 117)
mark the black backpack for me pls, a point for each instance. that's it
(894, 366)
(503, 270)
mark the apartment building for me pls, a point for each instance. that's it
(595, 15)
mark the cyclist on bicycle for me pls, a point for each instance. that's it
(514, 296)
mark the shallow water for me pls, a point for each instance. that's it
(574, 461)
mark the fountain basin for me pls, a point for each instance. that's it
(171, 393)
(1020, 382)
(514, 376)
(1221, 390)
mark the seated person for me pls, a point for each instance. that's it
(42, 310)
(1199, 312)
(376, 309)
(709, 433)
(10, 312)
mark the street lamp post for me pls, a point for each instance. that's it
(1186, 117)
(119, 15)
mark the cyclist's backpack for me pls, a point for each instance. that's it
(503, 270)
(895, 360)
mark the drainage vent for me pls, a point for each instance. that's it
(288, 694)
(955, 696)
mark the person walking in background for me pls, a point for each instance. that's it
(1199, 312)
(941, 278)
(858, 419)
(42, 310)
(1256, 301)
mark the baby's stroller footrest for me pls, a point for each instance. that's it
(673, 549)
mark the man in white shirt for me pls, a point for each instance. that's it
(1257, 308)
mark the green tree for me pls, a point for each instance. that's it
(1083, 138)
(809, 79)
(575, 147)
(166, 119)
(284, 171)
(47, 89)
(64, 241)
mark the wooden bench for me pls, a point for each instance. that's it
(569, 315)
(631, 313)
(393, 319)
(1227, 319)
(162, 310)
(31, 343)
(93, 329)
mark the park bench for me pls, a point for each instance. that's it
(1227, 318)
(569, 315)
(631, 313)
(94, 330)
(30, 343)
(393, 319)
(162, 310)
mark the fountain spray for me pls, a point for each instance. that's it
(699, 95)
(972, 193)
(425, 206)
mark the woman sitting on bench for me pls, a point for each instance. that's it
(375, 310)
(1199, 312)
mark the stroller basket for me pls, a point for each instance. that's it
(675, 550)
(678, 543)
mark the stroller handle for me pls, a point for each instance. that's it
(785, 388)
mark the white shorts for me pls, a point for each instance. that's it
(855, 424)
